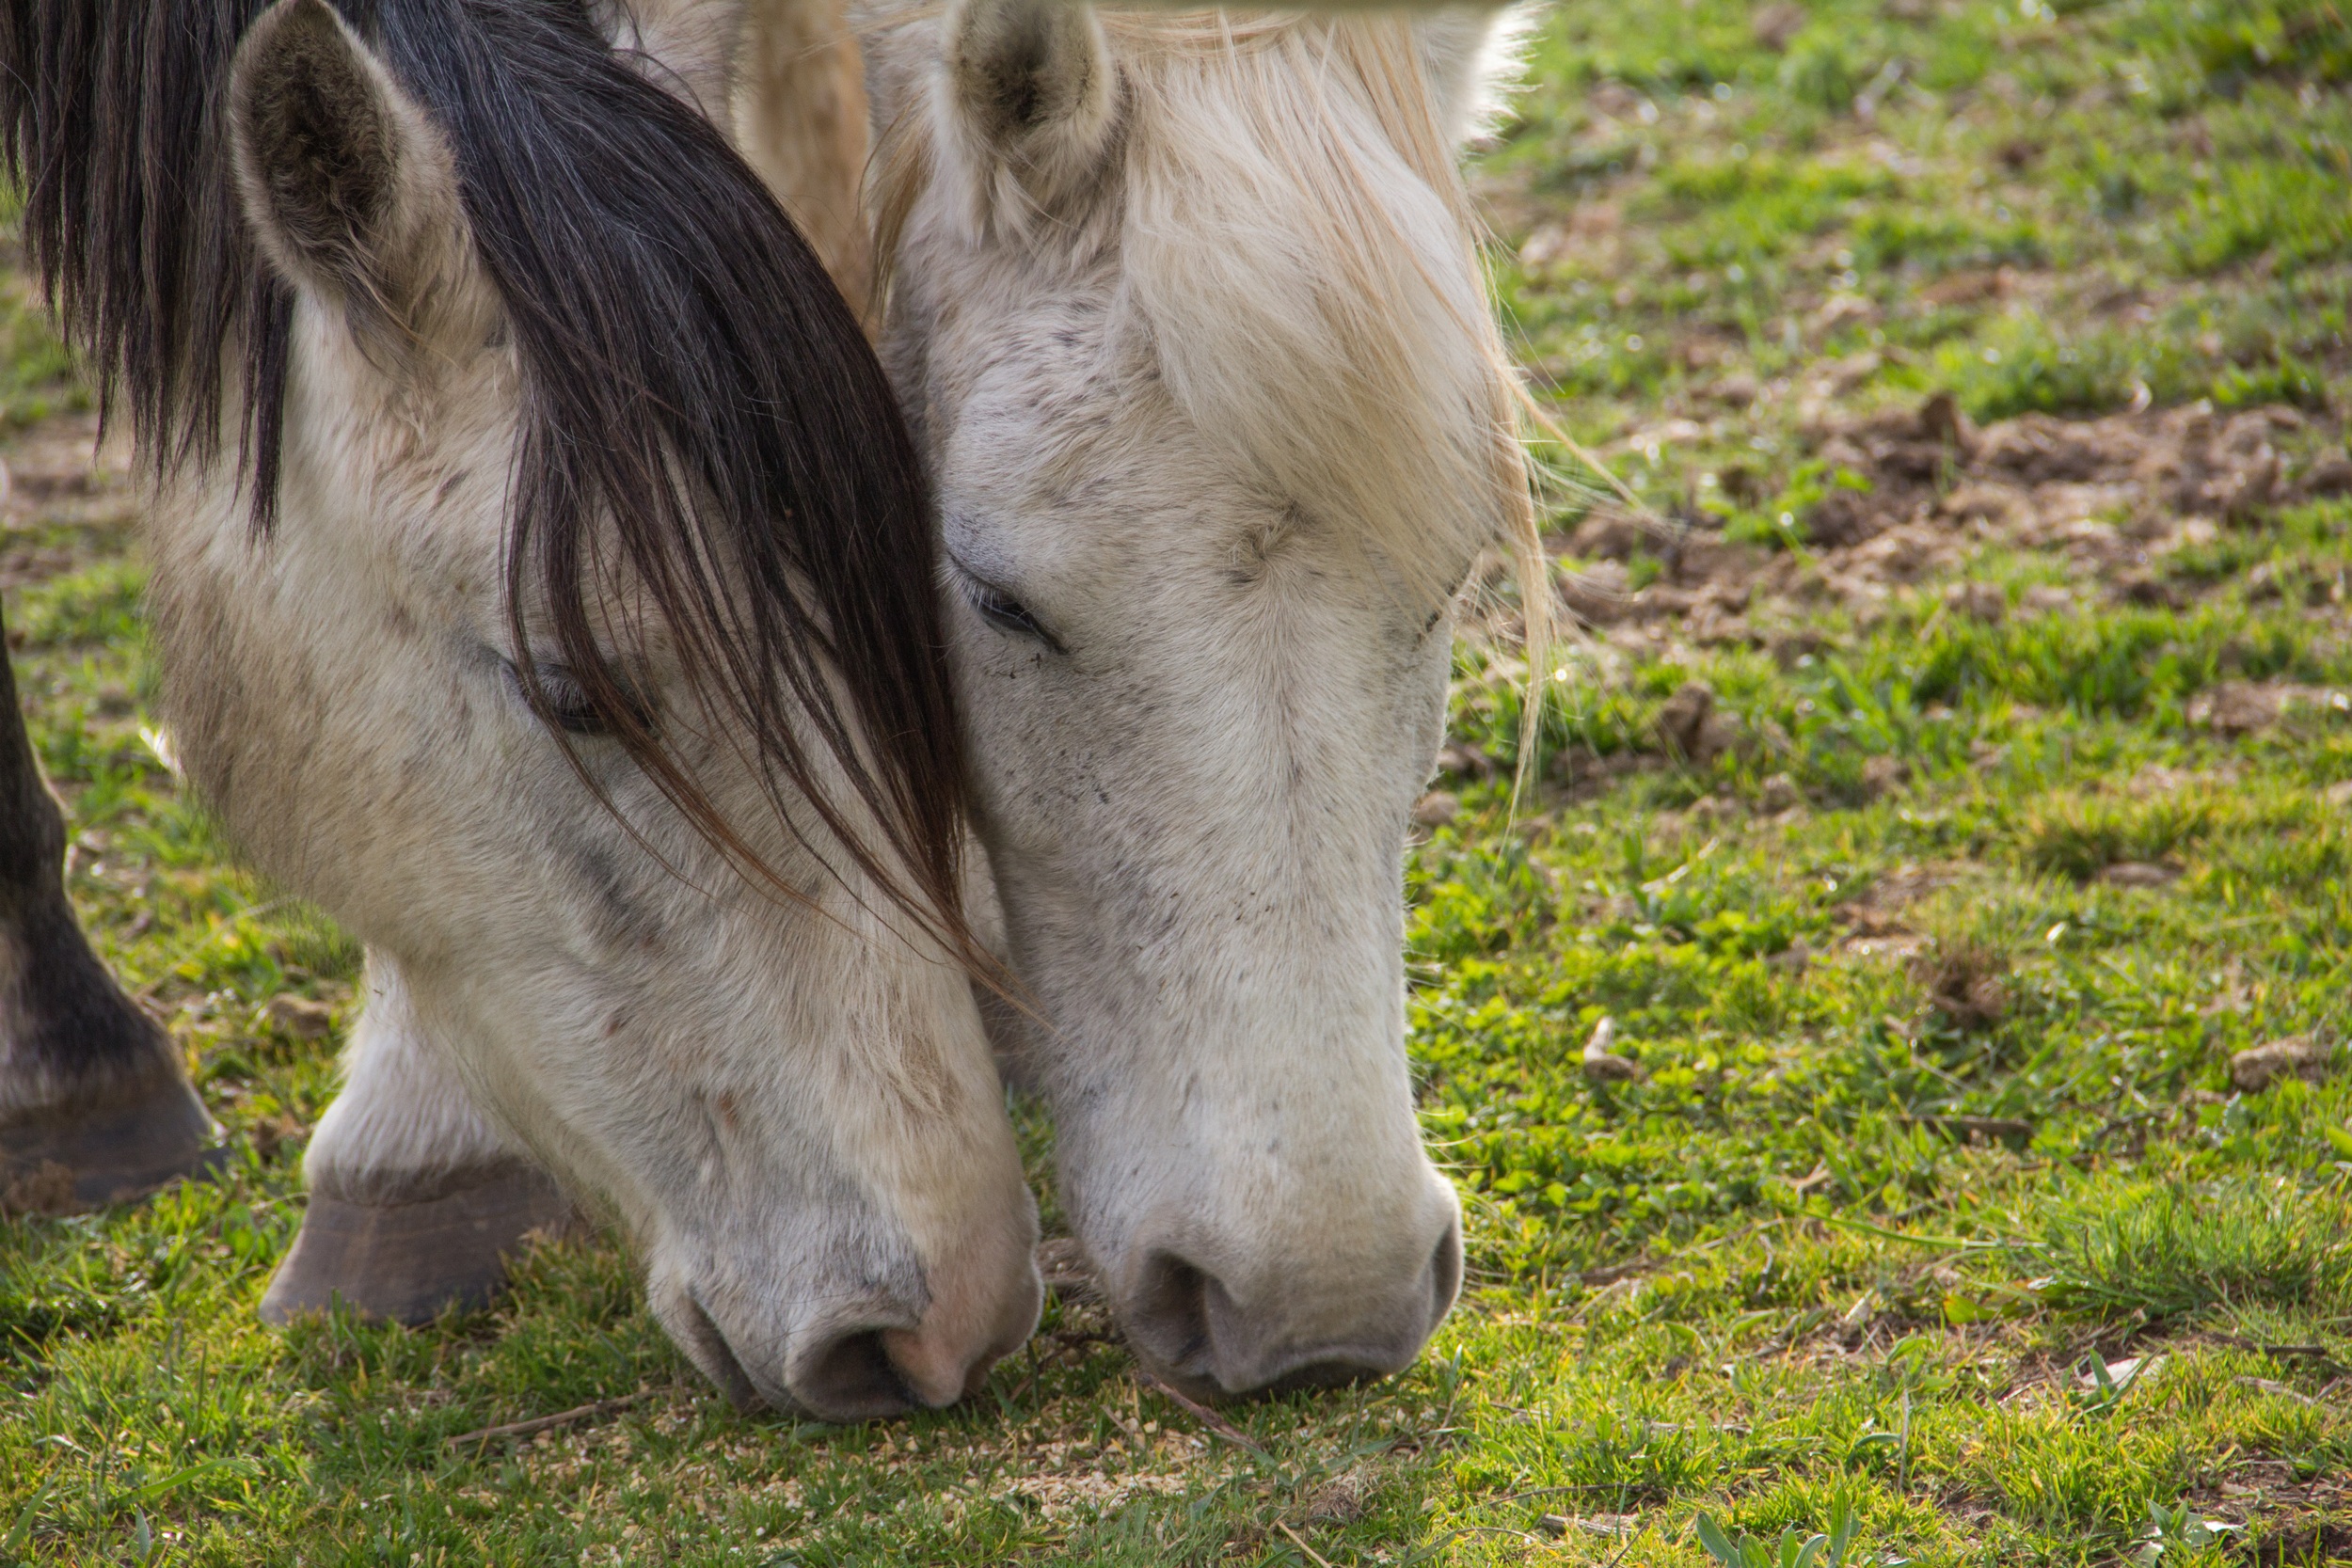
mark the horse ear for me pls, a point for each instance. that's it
(1471, 57)
(1032, 83)
(350, 191)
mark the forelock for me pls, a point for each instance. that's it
(1297, 253)
(1299, 247)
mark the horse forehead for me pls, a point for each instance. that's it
(414, 430)
(998, 311)
(1094, 466)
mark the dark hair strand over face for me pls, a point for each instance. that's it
(704, 425)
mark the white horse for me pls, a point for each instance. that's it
(1188, 315)
(564, 621)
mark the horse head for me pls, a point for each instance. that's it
(580, 655)
(1187, 313)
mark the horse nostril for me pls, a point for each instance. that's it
(850, 1377)
(709, 1350)
(1445, 1270)
(1167, 1317)
(1291, 1329)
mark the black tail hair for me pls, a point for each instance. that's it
(695, 384)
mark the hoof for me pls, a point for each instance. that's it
(82, 1156)
(408, 1263)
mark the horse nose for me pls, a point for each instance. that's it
(1283, 1331)
(866, 1360)
(855, 1369)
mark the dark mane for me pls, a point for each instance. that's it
(672, 324)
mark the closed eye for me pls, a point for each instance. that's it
(560, 700)
(562, 703)
(1004, 612)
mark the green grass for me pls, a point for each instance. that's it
(1934, 1207)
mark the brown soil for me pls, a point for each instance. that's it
(1920, 488)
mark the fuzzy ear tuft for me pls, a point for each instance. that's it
(1034, 86)
(350, 191)
(1470, 55)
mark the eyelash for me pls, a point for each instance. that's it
(1006, 613)
(564, 703)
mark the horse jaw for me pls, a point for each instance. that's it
(1201, 546)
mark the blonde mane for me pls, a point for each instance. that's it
(1295, 240)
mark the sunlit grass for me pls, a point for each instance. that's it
(1934, 1201)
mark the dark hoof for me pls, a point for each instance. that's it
(82, 1156)
(408, 1263)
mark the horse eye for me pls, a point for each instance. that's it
(1007, 614)
(562, 702)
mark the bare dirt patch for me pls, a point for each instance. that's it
(1914, 491)
(65, 500)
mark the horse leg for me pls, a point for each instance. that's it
(95, 1104)
(800, 119)
(416, 1199)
